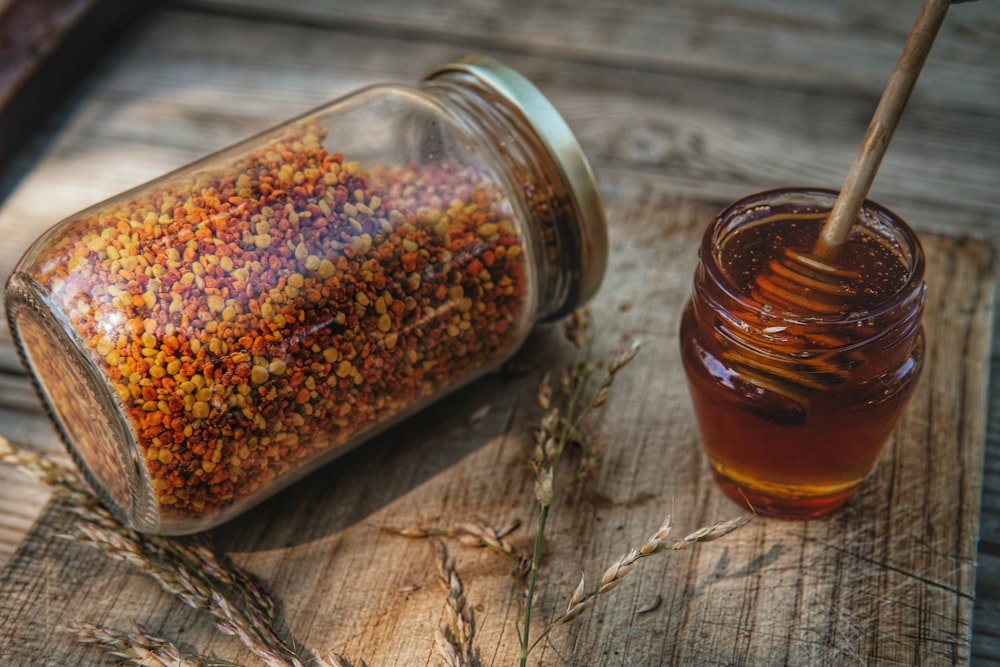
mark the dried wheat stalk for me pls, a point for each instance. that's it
(581, 391)
(188, 568)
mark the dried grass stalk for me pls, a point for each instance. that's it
(582, 390)
(455, 645)
(582, 599)
(139, 646)
(187, 568)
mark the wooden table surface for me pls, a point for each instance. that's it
(681, 107)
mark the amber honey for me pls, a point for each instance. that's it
(795, 405)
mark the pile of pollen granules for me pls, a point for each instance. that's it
(254, 316)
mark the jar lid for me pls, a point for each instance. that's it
(548, 125)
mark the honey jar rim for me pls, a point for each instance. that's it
(908, 299)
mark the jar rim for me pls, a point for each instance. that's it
(86, 413)
(728, 221)
(548, 125)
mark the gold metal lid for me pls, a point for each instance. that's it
(549, 126)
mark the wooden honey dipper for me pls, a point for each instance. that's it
(812, 281)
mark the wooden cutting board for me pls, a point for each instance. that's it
(887, 580)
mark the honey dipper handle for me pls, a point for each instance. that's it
(883, 124)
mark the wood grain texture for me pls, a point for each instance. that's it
(848, 47)
(888, 580)
(705, 100)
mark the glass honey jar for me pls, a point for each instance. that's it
(208, 338)
(796, 395)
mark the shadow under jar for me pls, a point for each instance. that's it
(206, 339)
(794, 405)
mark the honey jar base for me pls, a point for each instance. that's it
(782, 506)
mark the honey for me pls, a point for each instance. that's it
(796, 399)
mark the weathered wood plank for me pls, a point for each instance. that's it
(888, 580)
(22, 497)
(847, 47)
(23, 500)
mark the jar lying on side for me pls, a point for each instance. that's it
(798, 388)
(208, 338)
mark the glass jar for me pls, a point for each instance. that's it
(209, 337)
(796, 396)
